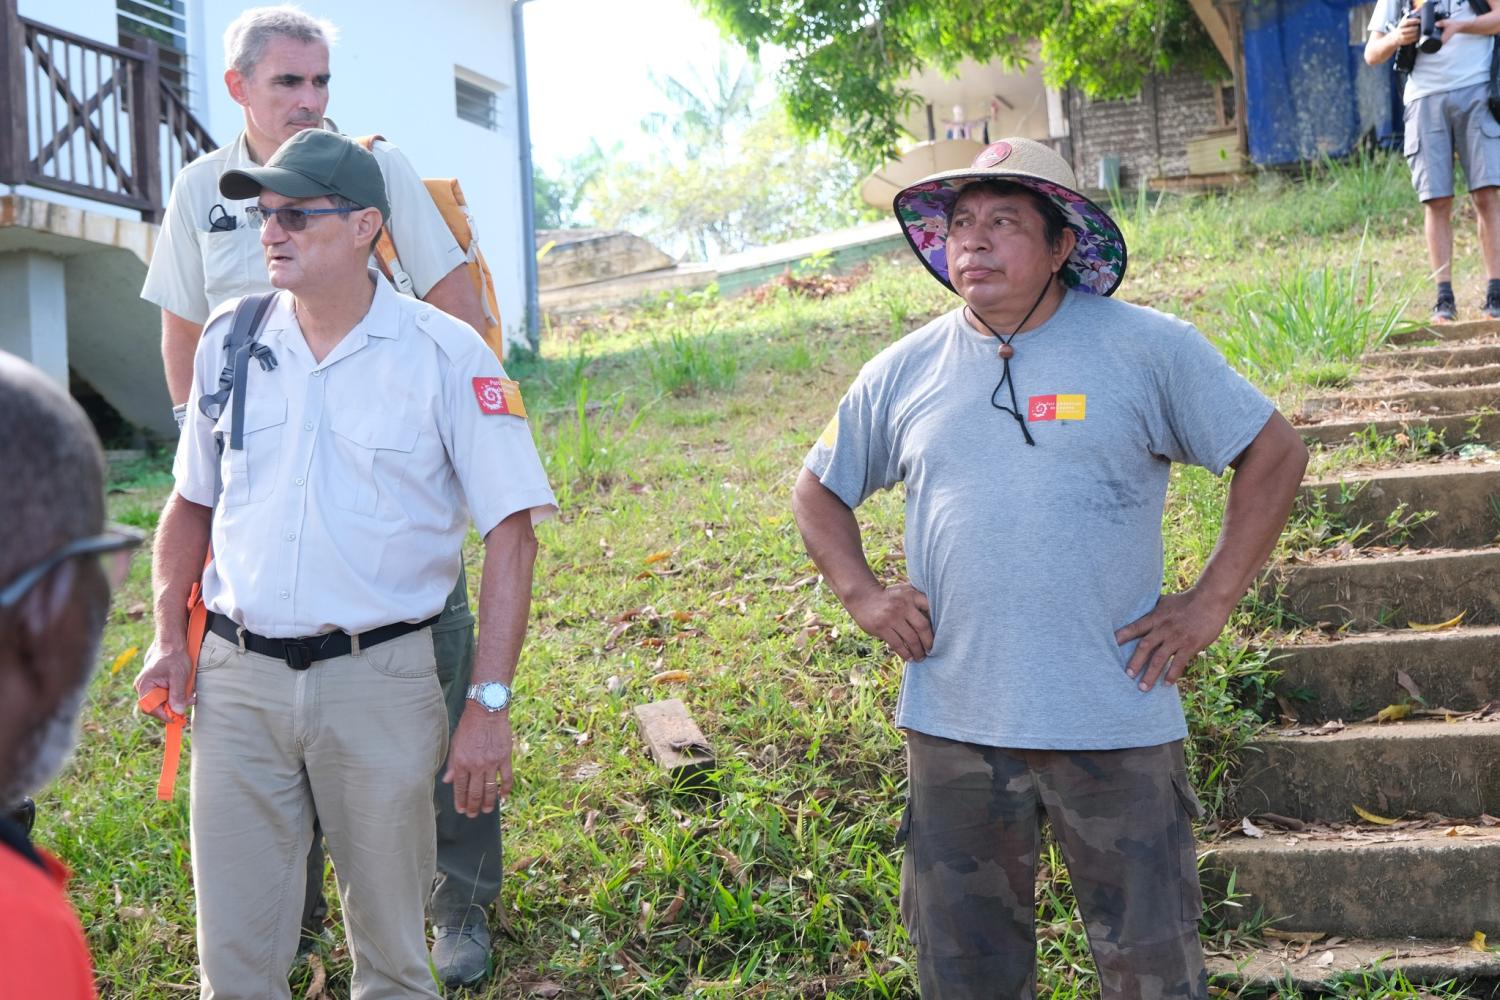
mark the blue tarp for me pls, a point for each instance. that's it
(1308, 92)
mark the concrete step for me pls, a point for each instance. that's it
(1449, 332)
(1355, 676)
(1369, 382)
(1391, 769)
(1457, 355)
(1374, 884)
(1451, 399)
(1422, 962)
(1393, 590)
(1482, 426)
(1463, 496)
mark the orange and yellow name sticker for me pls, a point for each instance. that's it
(1056, 407)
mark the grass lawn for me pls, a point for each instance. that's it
(673, 434)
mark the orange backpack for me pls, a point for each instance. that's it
(449, 199)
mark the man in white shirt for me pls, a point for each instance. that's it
(278, 59)
(363, 444)
(1448, 115)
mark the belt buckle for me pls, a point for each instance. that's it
(297, 653)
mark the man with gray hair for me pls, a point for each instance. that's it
(277, 70)
(57, 564)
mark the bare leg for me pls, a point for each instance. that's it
(1487, 207)
(1438, 216)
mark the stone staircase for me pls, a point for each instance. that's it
(1408, 889)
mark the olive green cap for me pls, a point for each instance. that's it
(314, 163)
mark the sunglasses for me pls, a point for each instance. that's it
(293, 220)
(113, 547)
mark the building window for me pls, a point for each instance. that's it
(165, 23)
(477, 103)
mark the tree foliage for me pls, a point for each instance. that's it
(847, 59)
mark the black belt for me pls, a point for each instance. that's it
(300, 654)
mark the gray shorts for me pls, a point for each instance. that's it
(1440, 125)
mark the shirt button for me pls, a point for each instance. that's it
(291, 536)
(307, 427)
(318, 373)
(424, 314)
(300, 481)
(284, 595)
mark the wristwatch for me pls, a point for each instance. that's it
(492, 696)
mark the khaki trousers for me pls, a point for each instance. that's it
(355, 740)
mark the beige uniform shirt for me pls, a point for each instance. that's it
(348, 505)
(196, 267)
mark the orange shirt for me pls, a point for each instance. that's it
(42, 953)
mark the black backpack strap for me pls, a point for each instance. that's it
(244, 327)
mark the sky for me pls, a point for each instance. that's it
(588, 64)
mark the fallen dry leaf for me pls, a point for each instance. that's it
(669, 915)
(1296, 937)
(526, 863)
(671, 677)
(1370, 817)
(1477, 942)
(1249, 829)
(133, 912)
(125, 657)
(1404, 679)
(318, 980)
(657, 557)
(1450, 623)
(1462, 831)
(546, 989)
(1325, 959)
(1393, 713)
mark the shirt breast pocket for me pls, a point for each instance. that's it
(233, 263)
(249, 473)
(373, 450)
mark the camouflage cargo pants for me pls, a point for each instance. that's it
(973, 829)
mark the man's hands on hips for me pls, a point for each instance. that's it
(1179, 628)
(898, 616)
(480, 748)
(170, 669)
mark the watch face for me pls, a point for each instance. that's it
(494, 696)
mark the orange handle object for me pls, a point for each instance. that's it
(166, 785)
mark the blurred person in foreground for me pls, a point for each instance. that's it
(57, 565)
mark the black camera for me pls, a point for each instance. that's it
(1430, 38)
(1429, 35)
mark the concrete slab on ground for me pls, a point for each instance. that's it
(1366, 883)
(1463, 496)
(1392, 590)
(1392, 769)
(1449, 399)
(1482, 351)
(1422, 962)
(1356, 676)
(1482, 426)
(1449, 332)
(1484, 374)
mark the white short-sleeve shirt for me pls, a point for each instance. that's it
(348, 504)
(195, 267)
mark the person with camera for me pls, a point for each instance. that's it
(1446, 57)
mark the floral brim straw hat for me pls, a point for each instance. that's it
(1098, 261)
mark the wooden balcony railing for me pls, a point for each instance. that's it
(89, 119)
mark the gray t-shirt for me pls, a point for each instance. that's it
(1031, 557)
(1462, 62)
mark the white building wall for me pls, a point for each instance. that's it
(393, 73)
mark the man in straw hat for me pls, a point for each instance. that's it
(1034, 427)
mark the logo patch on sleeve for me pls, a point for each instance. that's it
(1056, 407)
(830, 433)
(499, 396)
